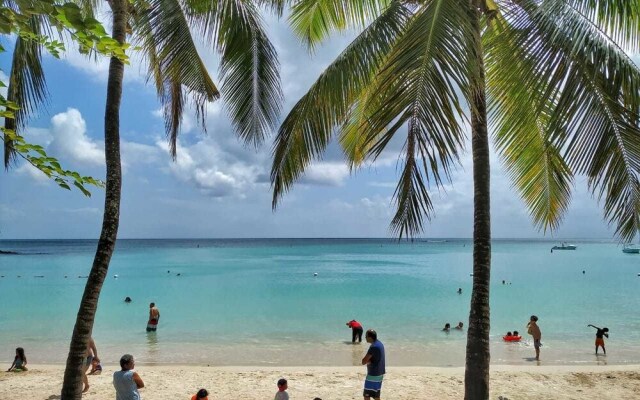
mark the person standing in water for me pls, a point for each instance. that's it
(356, 330)
(534, 330)
(154, 318)
(600, 334)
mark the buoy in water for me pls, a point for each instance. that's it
(315, 274)
(116, 276)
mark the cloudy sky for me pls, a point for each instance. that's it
(217, 187)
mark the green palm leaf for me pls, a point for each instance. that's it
(27, 86)
(419, 87)
(249, 66)
(307, 129)
(174, 63)
(313, 20)
(521, 120)
(596, 85)
(619, 19)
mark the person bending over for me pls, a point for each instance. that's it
(600, 334)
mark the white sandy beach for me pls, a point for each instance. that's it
(175, 382)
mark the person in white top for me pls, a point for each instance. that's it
(127, 381)
(282, 394)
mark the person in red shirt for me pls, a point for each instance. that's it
(356, 330)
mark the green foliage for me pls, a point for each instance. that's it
(23, 18)
(86, 31)
(563, 99)
(36, 156)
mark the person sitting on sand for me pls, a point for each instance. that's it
(600, 334)
(127, 381)
(447, 327)
(282, 394)
(96, 368)
(356, 330)
(534, 330)
(459, 326)
(201, 395)
(19, 361)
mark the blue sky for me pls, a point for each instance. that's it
(217, 187)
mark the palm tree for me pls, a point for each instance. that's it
(549, 76)
(251, 88)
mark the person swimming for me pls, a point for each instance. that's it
(447, 327)
(127, 299)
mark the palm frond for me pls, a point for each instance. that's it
(595, 120)
(521, 120)
(249, 65)
(313, 20)
(355, 145)
(307, 129)
(411, 194)
(27, 86)
(174, 63)
(420, 86)
(619, 19)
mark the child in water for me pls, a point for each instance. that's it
(534, 330)
(19, 362)
(600, 334)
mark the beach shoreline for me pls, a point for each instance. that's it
(164, 382)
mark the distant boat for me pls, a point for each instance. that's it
(631, 249)
(564, 246)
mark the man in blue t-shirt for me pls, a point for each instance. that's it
(374, 360)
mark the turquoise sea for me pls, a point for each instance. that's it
(257, 302)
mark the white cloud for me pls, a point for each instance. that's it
(212, 170)
(138, 153)
(39, 136)
(326, 173)
(70, 139)
(33, 173)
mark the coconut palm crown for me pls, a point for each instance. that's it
(551, 80)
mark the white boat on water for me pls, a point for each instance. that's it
(631, 249)
(564, 246)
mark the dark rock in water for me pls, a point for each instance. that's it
(8, 252)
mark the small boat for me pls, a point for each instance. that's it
(564, 246)
(631, 249)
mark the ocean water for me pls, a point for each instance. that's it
(257, 302)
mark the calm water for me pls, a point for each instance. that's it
(257, 302)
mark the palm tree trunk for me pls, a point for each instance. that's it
(478, 353)
(72, 385)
